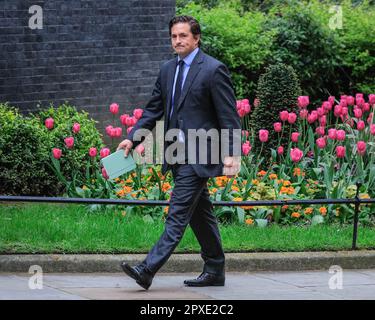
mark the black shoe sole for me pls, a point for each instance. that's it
(132, 275)
(197, 284)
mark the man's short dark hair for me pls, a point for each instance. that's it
(195, 28)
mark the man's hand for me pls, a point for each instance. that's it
(232, 166)
(126, 145)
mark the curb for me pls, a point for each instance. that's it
(181, 263)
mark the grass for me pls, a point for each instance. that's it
(56, 228)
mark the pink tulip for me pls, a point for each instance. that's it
(284, 115)
(137, 113)
(76, 127)
(321, 143)
(303, 113)
(118, 132)
(332, 134)
(340, 135)
(292, 117)
(360, 102)
(93, 152)
(245, 133)
(104, 174)
(357, 113)
(123, 118)
(104, 152)
(320, 131)
(366, 107)
(303, 101)
(129, 129)
(56, 153)
(372, 129)
(280, 150)
(112, 133)
(323, 121)
(277, 126)
(371, 98)
(256, 102)
(350, 100)
(344, 111)
(337, 110)
(360, 125)
(321, 112)
(296, 154)
(326, 106)
(114, 108)
(295, 136)
(263, 135)
(361, 147)
(49, 123)
(343, 101)
(246, 148)
(340, 152)
(131, 121)
(331, 100)
(108, 130)
(69, 142)
(241, 112)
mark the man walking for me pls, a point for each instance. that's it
(192, 91)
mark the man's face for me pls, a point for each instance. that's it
(183, 41)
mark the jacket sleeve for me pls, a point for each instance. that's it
(224, 101)
(153, 111)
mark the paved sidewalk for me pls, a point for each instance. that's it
(306, 285)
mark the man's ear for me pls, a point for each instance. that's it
(197, 37)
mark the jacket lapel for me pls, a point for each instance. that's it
(193, 72)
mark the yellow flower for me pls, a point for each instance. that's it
(298, 172)
(123, 213)
(166, 210)
(85, 188)
(235, 188)
(273, 176)
(255, 181)
(296, 215)
(286, 183)
(213, 190)
(165, 187)
(237, 199)
(249, 221)
(323, 211)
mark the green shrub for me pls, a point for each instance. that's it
(23, 156)
(278, 90)
(305, 44)
(239, 41)
(65, 116)
(26, 145)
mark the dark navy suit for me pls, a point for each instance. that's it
(207, 102)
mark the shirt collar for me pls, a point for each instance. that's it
(190, 57)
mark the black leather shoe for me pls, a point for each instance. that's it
(143, 278)
(206, 280)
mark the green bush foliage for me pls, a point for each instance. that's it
(278, 90)
(26, 145)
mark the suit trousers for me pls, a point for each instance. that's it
(190, 204)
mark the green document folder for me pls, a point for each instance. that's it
(116, 164)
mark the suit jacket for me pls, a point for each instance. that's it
(207, 102)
